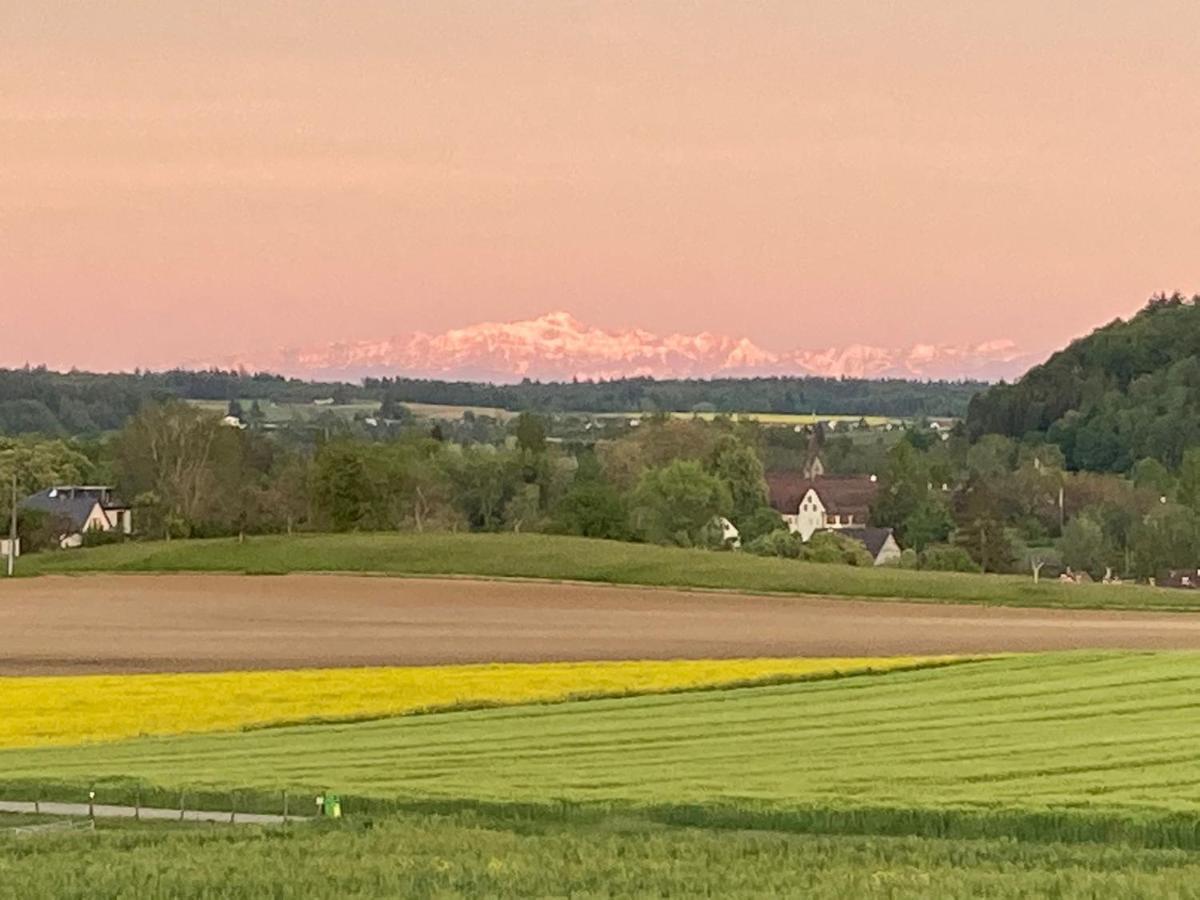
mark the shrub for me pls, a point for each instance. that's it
(831, 547)
(781, 543)
(946, 558)
(97, 538)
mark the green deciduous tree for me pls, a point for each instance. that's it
(1085, 547)
(740, 468)
(1168, 538)
(40, 464)
(164, 456)
(676, 503)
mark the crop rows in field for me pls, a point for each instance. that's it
(45, 711)
(1100, 731)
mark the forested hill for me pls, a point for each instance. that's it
(38, 401)
(1127, 392)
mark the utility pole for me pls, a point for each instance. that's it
(12, 526)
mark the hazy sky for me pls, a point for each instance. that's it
(183, 179)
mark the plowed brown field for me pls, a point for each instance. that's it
(157, 623)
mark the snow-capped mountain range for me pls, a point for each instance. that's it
(557, 346)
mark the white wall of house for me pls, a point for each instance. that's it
(810, 517)
(119, 520)
(97, 520)
(730, 536)
(813, 516)
(888, 553)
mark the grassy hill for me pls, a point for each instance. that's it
(581, 559)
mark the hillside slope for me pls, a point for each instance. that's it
(1126, 392)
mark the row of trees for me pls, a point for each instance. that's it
(1014, 506)
(188, 475)
(778, 394)
(996, 504)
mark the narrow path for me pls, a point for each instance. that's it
(108, 811)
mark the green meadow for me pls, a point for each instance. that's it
(474, 855)
(1056, 775)
(1050, 747)
(537, 556)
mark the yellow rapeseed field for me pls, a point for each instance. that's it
(42, 711)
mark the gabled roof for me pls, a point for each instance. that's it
(785, 490)
(871, 538)
(844, 495)
(74, 507)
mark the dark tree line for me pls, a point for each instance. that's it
(851, 396)
(39, 401)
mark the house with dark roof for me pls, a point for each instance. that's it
(80, 509)
(880, 543)
(839, 503)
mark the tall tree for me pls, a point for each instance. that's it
(162, 460)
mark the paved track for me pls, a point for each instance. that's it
(108, 811)
(148, 623)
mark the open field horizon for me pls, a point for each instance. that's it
(574, 559)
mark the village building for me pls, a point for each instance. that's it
(731, 537)
(80, 509)
(880, 543)
(840, 503)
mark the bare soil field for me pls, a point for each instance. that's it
(158, 623)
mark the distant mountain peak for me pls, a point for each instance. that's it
(558, 346)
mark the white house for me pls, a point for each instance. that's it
(80, 509)
(730, 536)
(830, 501)
(880, 543)
(839, 503)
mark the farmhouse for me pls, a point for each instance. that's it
(839, 503)
(80, 509)
(830, 501)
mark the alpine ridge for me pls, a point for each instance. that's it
(557, 346)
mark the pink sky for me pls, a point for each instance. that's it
(185, 180)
